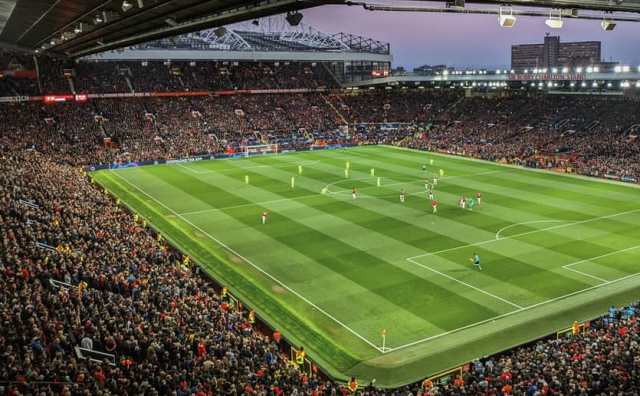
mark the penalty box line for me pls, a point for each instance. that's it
(569, 266)
(523, 309)
(566, 266)
(465, 284)
(246, 260)
(525, 233)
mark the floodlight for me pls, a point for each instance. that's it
(555, 22)
(507, 20)
(607, 25)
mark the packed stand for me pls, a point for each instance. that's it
(119, 290)
(60, 76)
(586, 135)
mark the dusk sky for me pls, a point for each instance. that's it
(465, 40)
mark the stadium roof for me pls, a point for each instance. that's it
(79, 27)
(82, 27)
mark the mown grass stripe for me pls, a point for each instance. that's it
(355, 264)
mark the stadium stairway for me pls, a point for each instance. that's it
(328, 102)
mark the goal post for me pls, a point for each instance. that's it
(260, 149)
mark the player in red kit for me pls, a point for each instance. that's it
(434, 205)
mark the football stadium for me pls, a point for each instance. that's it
(221, 198)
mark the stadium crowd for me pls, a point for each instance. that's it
(121, 290)
(78, 270)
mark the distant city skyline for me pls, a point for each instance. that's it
(466, 40)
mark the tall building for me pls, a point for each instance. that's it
(553, 53)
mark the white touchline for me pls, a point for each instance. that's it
(222, 244)
(388, 349)
(527, 233)
(465, 284)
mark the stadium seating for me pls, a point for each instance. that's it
(82, 275)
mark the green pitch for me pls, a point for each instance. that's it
(332, 272)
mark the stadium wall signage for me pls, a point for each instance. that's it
(134, 164)
(85, 97)
(547, 77)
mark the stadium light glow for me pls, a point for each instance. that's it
(607, 25)
(554, 70)
(555, 22)
(507, 20)
(565, 70)
(637, 84)
(590, 69)
(626, 69)
(579, 70)
(583, 85)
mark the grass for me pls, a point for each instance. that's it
(332, 272)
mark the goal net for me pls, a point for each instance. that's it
(260, 149)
